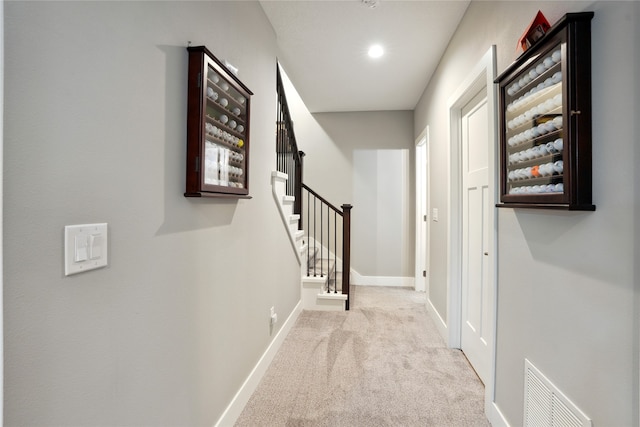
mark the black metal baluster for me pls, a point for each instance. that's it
(329, 250)
(335, 252)
(308, 233)
(284, 153)
(280, 136)
(278, 125)
(289, 174)
(321, 246)
(315, 240)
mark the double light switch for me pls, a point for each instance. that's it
(85, 247)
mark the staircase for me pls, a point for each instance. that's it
(325, 283)
(321, 272)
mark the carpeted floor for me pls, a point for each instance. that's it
(381, 364)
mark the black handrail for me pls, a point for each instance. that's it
(322, 199)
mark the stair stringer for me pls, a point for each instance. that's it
(285, 207)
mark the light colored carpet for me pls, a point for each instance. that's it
(381, 364)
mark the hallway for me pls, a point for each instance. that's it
(381, 364)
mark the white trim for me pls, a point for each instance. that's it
(239, 401)
(401, 282)
(332, 296)
(441, 324)
(422, 227)
(1, 208)
(482, 76)
(496, 417)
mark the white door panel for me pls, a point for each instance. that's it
(476, 290)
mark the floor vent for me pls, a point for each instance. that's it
(545, 405)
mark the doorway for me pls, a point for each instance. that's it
(422, 212)
(472, 234)
(380, 191)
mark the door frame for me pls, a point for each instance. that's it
(423, 227)
(481, 77)
(1, 209)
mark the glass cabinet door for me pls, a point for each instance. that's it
(225, 127)
(535, 128)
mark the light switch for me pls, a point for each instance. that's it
(95, 246)
(80, 250)
(85, 247)
(434, 215)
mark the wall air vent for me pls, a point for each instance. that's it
(545, 405)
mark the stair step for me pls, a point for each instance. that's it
(299, 234)
(294, 218)
(288, 199)
(330, 302)
(333, 296)
(314, 280)
(279, 176)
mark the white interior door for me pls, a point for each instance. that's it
(476, 198)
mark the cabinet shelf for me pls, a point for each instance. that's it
(218, 117)
(545, 121)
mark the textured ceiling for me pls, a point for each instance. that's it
(323, 49)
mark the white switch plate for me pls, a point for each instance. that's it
(435, 215)
(85, 247)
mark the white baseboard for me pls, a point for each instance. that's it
(233, 411)
(438, 320)
(496, 418)
(401, 282)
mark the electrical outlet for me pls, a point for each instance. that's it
(274, 316)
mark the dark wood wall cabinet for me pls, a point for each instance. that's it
(545, 121)
(218, 111)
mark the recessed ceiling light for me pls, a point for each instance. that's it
(376, 51)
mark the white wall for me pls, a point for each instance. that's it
(331, 141)
(566, 280)
(95, 106)
(380, 190)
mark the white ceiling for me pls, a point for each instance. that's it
(323, 49)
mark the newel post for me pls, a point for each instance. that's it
(346, 251)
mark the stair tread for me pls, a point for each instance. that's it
(333, 295)
(280, 175)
